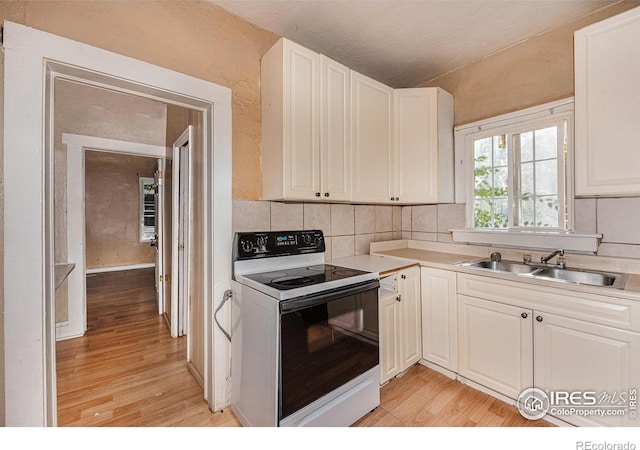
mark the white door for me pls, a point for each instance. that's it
(159, 234)
(389, 337)
(496, 345)
(181, 213)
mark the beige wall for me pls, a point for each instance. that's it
(192, 37)
(533, 72)
(112, 209)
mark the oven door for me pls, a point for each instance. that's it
(326, 340)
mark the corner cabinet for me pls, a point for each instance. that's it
(400, 325)
(332, 134)
(305, 125)
(423, 146)
(607, 70)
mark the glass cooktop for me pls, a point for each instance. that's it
(303, 276)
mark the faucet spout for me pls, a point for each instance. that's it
(559, 253)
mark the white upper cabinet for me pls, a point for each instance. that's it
(371, 140)
(305, 125)
(423, 146)
(290, 89)
(335, 136)
(332, 134)
(607, 106)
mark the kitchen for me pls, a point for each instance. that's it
(421, 221)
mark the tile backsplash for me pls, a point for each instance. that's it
(349, 229)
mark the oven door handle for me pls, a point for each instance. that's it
(298, 303)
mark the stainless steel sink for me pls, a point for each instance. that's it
(548, 272)
(615, 280)
(501, 266)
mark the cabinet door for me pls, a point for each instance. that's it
(439, 318)
(371, 140)
(572, 355)
(416, 145)
(495, 345)
(290, 87)
(410, 317)
(607, 70)
(335, 144)
(389, 337)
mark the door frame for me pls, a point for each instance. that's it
(180, 297)
(77, 144)
(31, 58)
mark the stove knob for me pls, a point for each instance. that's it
(318, 241)
(306, 238)
(247, 246)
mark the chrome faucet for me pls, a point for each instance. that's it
(561, 260)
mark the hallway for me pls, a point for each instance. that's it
(127, 370)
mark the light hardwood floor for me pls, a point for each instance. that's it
(128, 371)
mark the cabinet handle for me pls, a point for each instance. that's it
(317, 194)
(399, 298)
(391, 198)
(326, 194)
(404, 277)
(539, 318)
(397, 199)
(524, 315)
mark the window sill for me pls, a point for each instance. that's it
(530, 239)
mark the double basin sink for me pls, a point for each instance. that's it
(548, 272)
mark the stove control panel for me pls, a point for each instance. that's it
(277, 243)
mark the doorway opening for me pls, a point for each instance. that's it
(32, 61)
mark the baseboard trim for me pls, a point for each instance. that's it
(446, 372)
(119, 268)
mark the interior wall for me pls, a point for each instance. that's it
(192, 37)
(178, 119)
(112, 208)
(535, 71)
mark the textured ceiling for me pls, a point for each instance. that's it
(403, 43)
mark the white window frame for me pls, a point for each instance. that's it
(529, 237)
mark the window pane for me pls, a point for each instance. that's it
(526, 179)
(526, 210)
(524, 145)
(500, 180)
(483, 214)
(500, 212)
(482, 152)
(547, 177)
(546, 140)
(547, 212)
(500, 150)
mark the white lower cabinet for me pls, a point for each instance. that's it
(509, 341)
(439, 318)
(400, 325)
(496, 349)
(587, 360)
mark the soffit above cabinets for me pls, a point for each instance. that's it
(404, 43)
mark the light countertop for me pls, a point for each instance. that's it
(447, 261)
(373, 263)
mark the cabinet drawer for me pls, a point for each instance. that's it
(613, 311)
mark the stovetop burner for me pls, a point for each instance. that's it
(286, 279)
